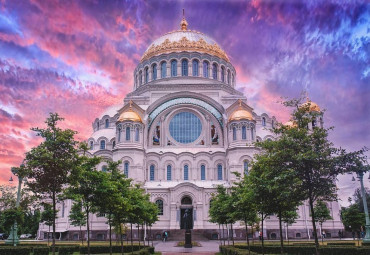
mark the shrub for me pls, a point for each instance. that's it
(15, 251)
(105, 249)
(67, 250)
(343, 244)
(41, 251)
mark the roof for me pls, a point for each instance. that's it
(111, 111)
(108, 133)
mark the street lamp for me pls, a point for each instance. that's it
(20, 173)
(360, 175)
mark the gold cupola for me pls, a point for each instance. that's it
(290, 124)
(241, 114)
(312, 106)
(129, 115)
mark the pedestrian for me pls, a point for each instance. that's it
(164, 236)
(260, 235)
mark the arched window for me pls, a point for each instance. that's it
(140, 78)
(246, 167)
(228, 76)
(163, 70)
(184, 67)
(314, 124)
(113, 144)
(263, 121)
(195, 67)
(222, 74)
(244, 132)
(219, 172)
(119, 133)
(232, 79)
(169, 173)
(186, 172)
(146, 75)
(234, 133)
(252, 133)
(102, 145)
(173, 68)
(127, 133)
(203, 172)
(186, 201)
(91, 145)
(214, 71)
(107, 123)
(205, 69)
(104, 168)
(151, 174)
(126, 168)
(154, 72)
(137, 134)
(159, 203)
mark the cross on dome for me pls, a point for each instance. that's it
(184, 23)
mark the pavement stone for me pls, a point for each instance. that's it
(169, 248)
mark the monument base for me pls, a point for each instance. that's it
(188, 239)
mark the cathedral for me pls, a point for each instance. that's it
(181, 132)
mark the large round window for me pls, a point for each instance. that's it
(185, 127)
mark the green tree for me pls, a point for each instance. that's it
(353, 219)
(289, 218)
(10, 216)
(77, 217)
(50, 163)
(322, 214)
(48, 215)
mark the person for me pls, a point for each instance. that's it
(323, 234)
(260, 235)
(165, 236)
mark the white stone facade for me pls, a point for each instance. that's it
(173, 164)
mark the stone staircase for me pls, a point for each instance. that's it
(179, 235)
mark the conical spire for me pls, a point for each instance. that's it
(183, 24)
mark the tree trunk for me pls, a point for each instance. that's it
(132, 242)
(287, 230)
(322, 236)
(219, 233)
(88, 230)
(120, 234)
(246, 233)
(228, 235)
(252, 234)
(232, 234)
(48, 235)
(263, 245)
(151, 234)
(314, 226)
(138, 234)
(223, 234)
(54, 214)
(281, 234)
(81, 237)
(110, 234)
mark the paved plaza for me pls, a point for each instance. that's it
(169, 248)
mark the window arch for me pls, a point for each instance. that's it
(195, 67)
(228, 76)
(104, 168)
(184, 67)
(174, 68)
(163, 69)
(107, 123)
(91, 145)
(222, 74)
(234, 133)
(186, 172)
(159, 203)
(137, 134)
(263, 121)
(169, 173)
(127, 133)
(113, 144)
(244, 132)
(154, 72)
(151, 172)
(246, 167)
(102, 144)
(140, 78)
(252, 133)
(126, 168)
(203, 172)
(214, 71)
(205, 69)
(219, 172)
(146, 75)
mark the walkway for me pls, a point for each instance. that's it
(169, 248)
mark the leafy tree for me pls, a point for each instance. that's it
(31, 222)
(322, 214)
(50, 163)
(77, 217)
(289, 218)
(48, 216)
(353, 219)
(10, 216)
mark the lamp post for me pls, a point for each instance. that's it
(19, 172)
(360, 175)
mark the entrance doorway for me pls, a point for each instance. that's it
(186, 213)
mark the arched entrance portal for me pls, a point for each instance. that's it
(186, 213)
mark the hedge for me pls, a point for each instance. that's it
(115, 249)
(15, 251)
(343, 244)
(41, 251)
(67, 250)
(24, 244)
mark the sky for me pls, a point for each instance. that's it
(77, 58)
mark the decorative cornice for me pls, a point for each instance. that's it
(185, 44)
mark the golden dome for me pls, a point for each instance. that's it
(241, 114)
(313, 107)
(129, 115)
(290, 124)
